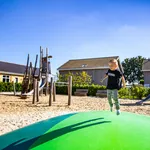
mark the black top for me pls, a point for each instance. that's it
(114, 79)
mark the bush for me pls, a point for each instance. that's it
(138, 92)
(92, 89)
(8, 87)
(135, 92)
(142, 82)
(124, 93)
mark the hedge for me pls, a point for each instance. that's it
(8, 87)
(92, 89)
(135, 92)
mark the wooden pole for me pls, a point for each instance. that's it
(50, 92)
(34, 92)
(41, 65)
(37, 92)
(54, 92)
(69, 90)
(14, 88)
(46, 71)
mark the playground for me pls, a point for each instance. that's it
(41, 119)
(16, 113)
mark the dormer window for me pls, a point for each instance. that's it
(84, 65)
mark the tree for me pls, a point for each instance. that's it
(133, 69)
(78, 78)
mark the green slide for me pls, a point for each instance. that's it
(96, 130)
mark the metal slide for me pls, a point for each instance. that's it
(144, 100)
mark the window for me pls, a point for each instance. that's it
(6, 78)
(16, 80)
(84, 65)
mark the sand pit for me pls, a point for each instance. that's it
(16, 113)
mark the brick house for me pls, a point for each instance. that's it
(95, 67)
(146, 72)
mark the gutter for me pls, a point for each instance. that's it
(11, 73)
(145, 70)
(83, 68)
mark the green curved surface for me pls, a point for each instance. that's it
(98, 130)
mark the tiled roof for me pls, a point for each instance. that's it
(90, 63)
(13, 68)
(146, 65)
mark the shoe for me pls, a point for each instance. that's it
(118, 112)
(111, 109)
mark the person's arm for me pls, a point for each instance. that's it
(123, 81)
(106, 76)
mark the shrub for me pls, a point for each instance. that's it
(8, 87)
(142, 82)
(124, 93)
(135, 92)
(92, 89)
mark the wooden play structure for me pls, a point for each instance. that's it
(40, 75)
(35, 81)
(52, 90)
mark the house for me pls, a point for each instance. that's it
(95, 67)
(10, 72)
(146, 72)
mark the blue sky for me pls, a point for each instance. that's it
(73, 29)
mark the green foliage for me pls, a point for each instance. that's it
(92, 89)
(133, 69)
(8, 87)
(135, 92)
(81, 78)
(124, 93)
(138, 92)
(142, 82)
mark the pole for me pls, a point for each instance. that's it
(54, 92)
(37, 92)
(46, 71)
(69, 90)
(34, 92)
(14, 88)
(50, 93)
(41, 65)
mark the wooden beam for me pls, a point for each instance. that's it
(54, 92)
(14, 86)
(50, 93)
(69, 90)
(46, 72)
(35, 90)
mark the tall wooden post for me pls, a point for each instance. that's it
(69, 90)
(35, 90)
(50, 92)
(54, 92)
(40, 72)
(46, 72)
(14, 88)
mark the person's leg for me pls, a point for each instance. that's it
(109, 97)
(116, 99)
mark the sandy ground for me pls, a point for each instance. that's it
(16, 112)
